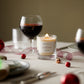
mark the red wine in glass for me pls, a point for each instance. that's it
(31, 30)
(80, 40)
(81, 45)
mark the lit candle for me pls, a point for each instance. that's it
(48, 38)
(46, 44)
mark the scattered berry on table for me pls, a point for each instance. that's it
(70, 78)
(2, 45)
(67, 64)
(23, 56)
(58, 60)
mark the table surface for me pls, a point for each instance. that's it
(37, 65)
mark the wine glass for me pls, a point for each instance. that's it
(80, 39)
(31, 26)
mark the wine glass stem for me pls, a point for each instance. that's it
(32, 45)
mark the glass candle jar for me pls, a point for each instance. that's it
(46, 46)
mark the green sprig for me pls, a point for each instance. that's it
(0, 63)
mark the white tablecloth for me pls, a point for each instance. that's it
(37, 65)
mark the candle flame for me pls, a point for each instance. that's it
(46, 35)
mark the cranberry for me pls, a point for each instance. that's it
(69, 78)
(23, 56)
(1, 45)
(67, 64)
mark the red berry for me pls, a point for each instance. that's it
(67, 64)
(1, 45)
(23, 56)
(70, 78)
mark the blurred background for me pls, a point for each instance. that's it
(60, 17)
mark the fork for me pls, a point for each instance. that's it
(35, 77)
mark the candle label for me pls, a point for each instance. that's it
(46, 47)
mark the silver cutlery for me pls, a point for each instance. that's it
(65, 47)
(35, 77)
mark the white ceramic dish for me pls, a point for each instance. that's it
(17, 67)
